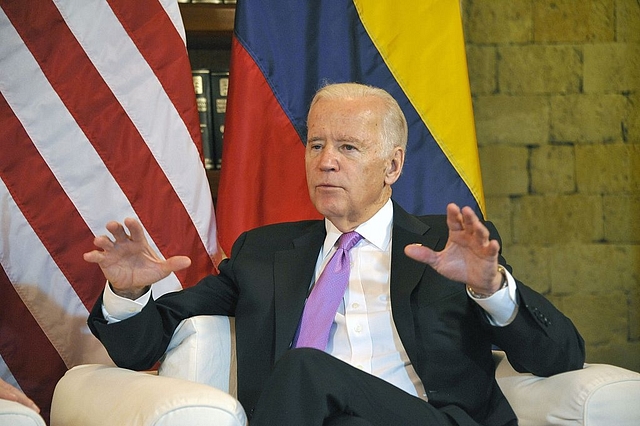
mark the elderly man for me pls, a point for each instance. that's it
(396, 328)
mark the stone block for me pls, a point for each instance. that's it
(611, 67)
(521, 120)
(588, 118)
(607, 168)
(634, 314)
(531, 265)
(551, 219)
(623, 354)
(601, 318)
(482, 65)
(497, 21)
(539, 69)
(621, 218)
(573, 20)
(628, 20)
(504, 170)
(631, 127)
(499, 213)
(593, 268)
(553, 169)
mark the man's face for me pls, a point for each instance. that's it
(348, 174)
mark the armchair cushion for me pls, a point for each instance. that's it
(597, 395)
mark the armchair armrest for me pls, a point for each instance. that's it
(202, 350)
(92, 395)
(15, 414)
(597, 395)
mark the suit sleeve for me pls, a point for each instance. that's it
(139, 342)
(541, 339)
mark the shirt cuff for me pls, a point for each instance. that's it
(502, 306)
(116, 308)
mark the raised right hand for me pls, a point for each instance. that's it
(128, 261)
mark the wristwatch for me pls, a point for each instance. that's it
(503, 272)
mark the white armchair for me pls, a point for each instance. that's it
(202, 351)
(15, 414)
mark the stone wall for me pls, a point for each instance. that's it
(556, 92)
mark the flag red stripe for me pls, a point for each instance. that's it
(254, 193)
(33, 361)
(153, 33)
(111, 132)
(47, 208)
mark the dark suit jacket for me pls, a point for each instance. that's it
(446, 335)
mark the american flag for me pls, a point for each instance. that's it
(98, 122)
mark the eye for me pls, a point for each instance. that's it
(314, 145)
(348, 147)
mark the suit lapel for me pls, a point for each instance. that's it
(293, 272)
(406, 273)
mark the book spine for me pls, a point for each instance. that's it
(202, 87)
(219, 88)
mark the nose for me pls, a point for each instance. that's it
(327, 159)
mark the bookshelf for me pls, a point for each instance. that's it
(209, 28)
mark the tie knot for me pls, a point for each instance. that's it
(348, 240)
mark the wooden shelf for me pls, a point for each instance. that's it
(209, 29)
(214, 180)
(208, 25)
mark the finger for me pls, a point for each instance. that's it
(103, 242)
(117, 230)
(27, 402)
(474, 226)
(176, 263)
(12, 394)
(454, 217)
(94, 256)
(135, 228)
(421, 254)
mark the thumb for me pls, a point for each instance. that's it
(421, 253)
(177, 263)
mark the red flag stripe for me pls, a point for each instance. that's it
(189, 182)
(26, 350)
(46, 206)
(73, 159)
(155, 46)
(112, 133)
(266, 185)
(44, 289)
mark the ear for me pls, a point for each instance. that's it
(394, 167)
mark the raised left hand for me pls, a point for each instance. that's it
(469, 255)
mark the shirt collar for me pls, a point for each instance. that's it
(376, 230)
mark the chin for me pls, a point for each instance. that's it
(328, 210)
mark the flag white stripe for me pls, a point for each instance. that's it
(138, 90)
(44, 290)
(173, 11)
(5, 374)
(72, 158)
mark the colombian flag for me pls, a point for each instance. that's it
(283, 51)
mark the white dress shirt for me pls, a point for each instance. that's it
(363, 334)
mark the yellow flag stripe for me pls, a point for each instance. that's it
(422, 43)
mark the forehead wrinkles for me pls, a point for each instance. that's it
(345, 120)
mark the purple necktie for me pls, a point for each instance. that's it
(322, 304)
